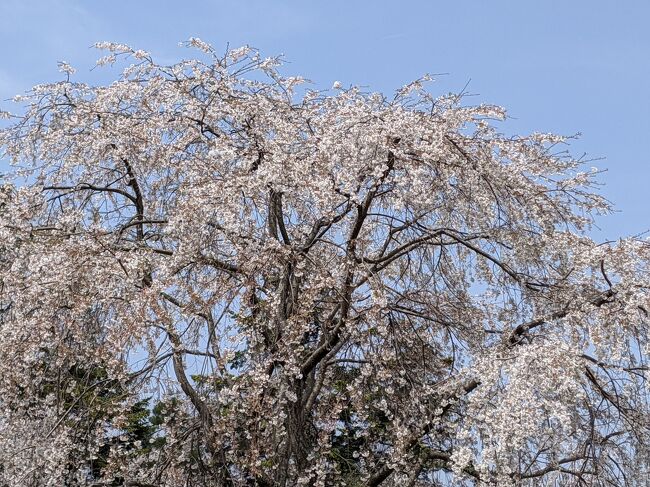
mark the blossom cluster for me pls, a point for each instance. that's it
(210, 275)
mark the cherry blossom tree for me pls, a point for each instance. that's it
(214, 275)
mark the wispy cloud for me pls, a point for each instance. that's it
(391, 37)
(53, 22)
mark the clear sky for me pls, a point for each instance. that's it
(558, 66)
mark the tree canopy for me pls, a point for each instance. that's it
(212, 274)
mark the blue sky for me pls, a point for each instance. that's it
(558, 66)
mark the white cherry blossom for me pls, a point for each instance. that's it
(213, 276)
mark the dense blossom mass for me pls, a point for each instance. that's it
(213, 275)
